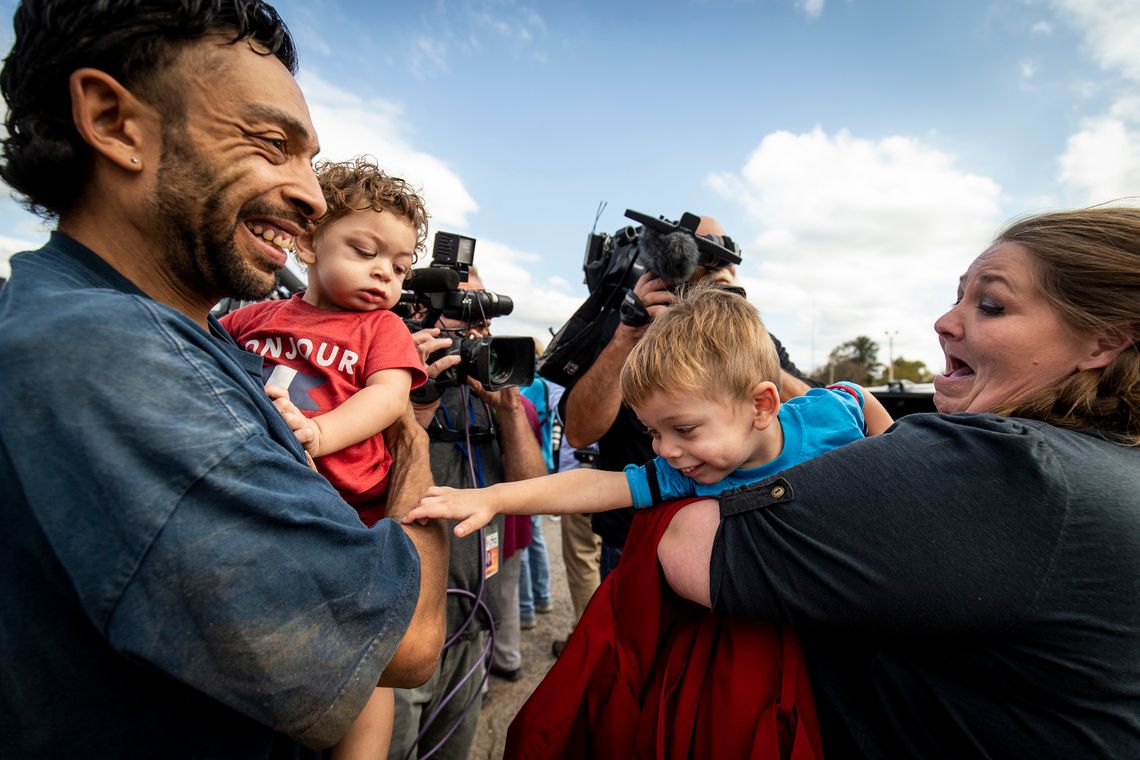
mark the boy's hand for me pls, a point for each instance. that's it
(307, 432)
(471, 505)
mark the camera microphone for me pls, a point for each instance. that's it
(673, 256)
(432, 280)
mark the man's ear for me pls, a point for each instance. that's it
(765, 404)
(303, 247)
(109, 118)
(1108, 347)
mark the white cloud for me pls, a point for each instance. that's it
(538, 306)
(858, 236)
(1101, 160)
(1027, 68)
(429, 57)
(1043, 28)
(813, 9)
(349, 125)
(1111, 30)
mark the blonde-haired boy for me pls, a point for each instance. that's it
(704, 380)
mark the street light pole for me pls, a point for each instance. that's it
(891, 354)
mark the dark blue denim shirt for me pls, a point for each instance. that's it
(175, 581)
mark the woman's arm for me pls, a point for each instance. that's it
(686, 550)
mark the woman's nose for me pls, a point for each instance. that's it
(949, 325)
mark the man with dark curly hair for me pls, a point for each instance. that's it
(177, 580)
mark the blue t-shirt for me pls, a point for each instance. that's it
(176, 580)
(817, 422)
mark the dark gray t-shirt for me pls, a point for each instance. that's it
(451, 466)
(964, 586)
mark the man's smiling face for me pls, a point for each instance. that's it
(235, 185)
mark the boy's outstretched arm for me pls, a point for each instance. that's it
(571, 492)
(367, 412)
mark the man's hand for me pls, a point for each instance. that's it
(504, 401)
(654, 295)
(307, 432)
(471, 505)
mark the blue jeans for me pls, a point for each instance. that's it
(610, 557)
(534, 578)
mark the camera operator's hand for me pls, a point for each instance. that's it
(505, 401)
(307, 432)
(655, 297)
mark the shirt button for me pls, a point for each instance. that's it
(777, 492)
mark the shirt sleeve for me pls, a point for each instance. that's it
(656, 483)
(850, 398)
(943, 524)
(393, 348)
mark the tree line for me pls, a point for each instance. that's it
(857, 360)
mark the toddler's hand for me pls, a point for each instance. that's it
(307, 432)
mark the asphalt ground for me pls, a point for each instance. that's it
(504, 698)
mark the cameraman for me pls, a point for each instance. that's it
(592, 407)
(477, 438)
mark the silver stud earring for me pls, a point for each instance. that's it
(134, 159)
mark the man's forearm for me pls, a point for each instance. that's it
(410, 476)
(522, 457)
(593, 403)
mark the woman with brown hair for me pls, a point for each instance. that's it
(967, 584)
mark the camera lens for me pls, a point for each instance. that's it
(500, 364)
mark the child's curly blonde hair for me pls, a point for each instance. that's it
(360, 184)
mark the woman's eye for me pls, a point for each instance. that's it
(990, 308)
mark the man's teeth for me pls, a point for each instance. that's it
(281, 241)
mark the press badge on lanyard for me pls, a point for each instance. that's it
(491, 553)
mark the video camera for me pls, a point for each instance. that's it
(434, 292)
(612, 266)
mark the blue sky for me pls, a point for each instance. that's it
(862, 153)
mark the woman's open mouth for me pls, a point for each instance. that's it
(956, 368)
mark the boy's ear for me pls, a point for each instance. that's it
(303, 248)
(765, 404)
(110, 119)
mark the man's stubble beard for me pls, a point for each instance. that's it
(198, 239)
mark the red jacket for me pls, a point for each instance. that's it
(648, 674)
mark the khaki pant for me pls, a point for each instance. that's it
(581, 554)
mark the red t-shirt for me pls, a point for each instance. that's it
(334, 353)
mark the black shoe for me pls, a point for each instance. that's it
(557, 646)
(506, 675)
